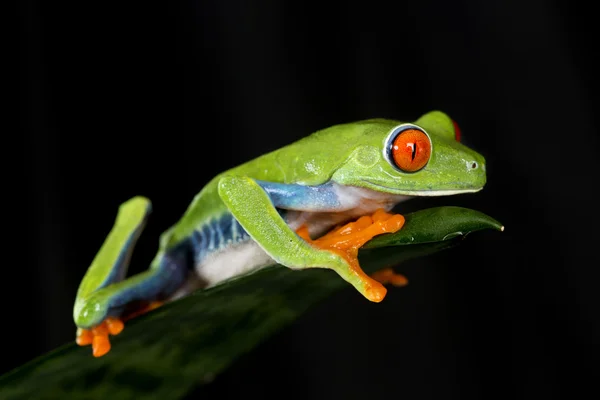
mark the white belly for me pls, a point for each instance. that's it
(238, 259)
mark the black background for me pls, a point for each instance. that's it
(155, 99)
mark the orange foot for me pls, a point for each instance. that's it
(98, 336)
(348, 239)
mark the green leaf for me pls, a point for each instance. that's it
(166, 353)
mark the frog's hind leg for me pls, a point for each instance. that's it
(105, 299)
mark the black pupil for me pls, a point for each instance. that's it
(414, 151)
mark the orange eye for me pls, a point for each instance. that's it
(411, 150)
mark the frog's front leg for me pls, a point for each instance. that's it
(254, 204)
(104, 299)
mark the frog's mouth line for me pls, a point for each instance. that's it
(423, 193)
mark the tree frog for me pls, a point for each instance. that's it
(310, 204)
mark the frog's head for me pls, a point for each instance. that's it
(424, 158)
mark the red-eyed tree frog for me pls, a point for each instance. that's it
(288, 207)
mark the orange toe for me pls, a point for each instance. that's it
(381, 215)
(100, 330)
(100, 342)
(114, 325)
(303, 233)
(399, 280)
(351, 227)
(375, 292)
(100, 345)
(84, 337)
(387, 275)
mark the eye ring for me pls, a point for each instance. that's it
(408, 148)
